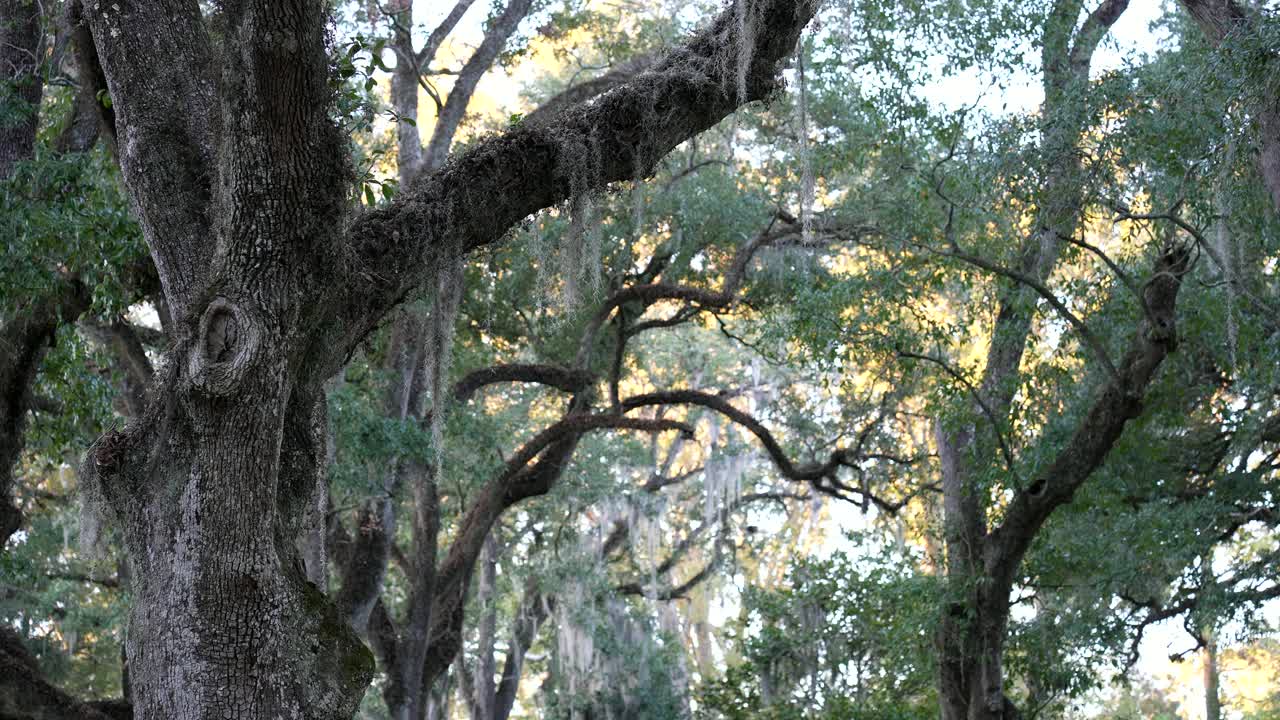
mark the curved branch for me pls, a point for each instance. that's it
(560, 378)
(552, 448)
(977, 397)
(652, 292)
(1098, 430)
(814, 473)
(1099, 350)
(577, 424)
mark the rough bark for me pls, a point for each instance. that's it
(21, 80)
(237, 177)
(212, 485)
(91, 114)
(159, 66)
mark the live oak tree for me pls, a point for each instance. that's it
(1015, 445)
(236, 173)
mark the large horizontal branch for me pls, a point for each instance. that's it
(577, 424)
(555, 376)
(479, 195)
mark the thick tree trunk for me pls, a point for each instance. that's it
(224, 622)
(240, 182)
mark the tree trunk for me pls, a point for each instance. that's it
(240, 183)
(980, 571)
(1212, 698)
(224, 622)
(21, 57)
(486, 597)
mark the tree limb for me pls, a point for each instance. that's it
(479, 195)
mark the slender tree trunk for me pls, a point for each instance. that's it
(971, 631)
(486, 597)
(1212, 698)
(533, 611)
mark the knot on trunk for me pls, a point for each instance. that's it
(224, 349)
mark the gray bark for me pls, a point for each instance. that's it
(484, 688)
(21, 80)
(237, 176)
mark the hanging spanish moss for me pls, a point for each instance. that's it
(438, 356)
(1226, 252)
(806, 158)
(748, 18)
(580, 164)
(722, 483)
(649, 531)
(575, 645)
